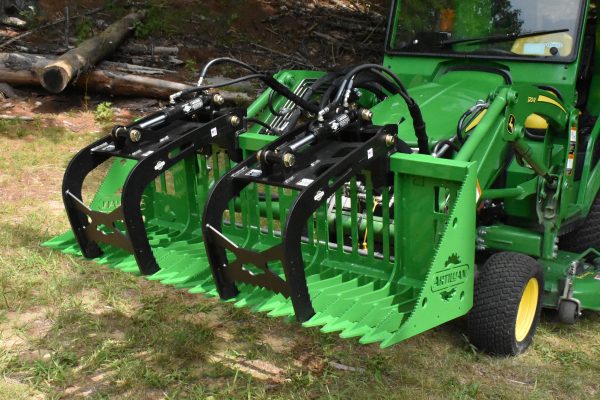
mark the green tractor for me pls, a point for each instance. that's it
(458, 178)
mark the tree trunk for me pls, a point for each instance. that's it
(57, 75)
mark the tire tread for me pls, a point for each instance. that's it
(498, 292)
(587, 235)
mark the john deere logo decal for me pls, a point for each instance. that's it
(511, 124)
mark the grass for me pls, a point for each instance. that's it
(71, 329)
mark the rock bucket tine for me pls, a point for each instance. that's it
(269, 303)
(385, 327)
(366, 324)
(332, 296)
(358, 312)
(331, 313)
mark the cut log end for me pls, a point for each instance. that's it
(55, 79)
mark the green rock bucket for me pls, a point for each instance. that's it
(379, 273)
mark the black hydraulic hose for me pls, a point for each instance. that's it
(272, 108)
(326, 79)
(267, 79)
(374, 88)
(268, 127)
(413, 107)
(448, 143)
(347, 83)
(326, 98)
(372, 76)
(222, 60)
(415, 113)
(419, 127)
(287, 93)
(467, 118)
(215, 86)
(392, 88)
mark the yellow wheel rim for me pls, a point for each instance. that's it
(527, 309)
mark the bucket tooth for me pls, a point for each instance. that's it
(385, 328)
(332, 293)
(183, 275)
(340, 303)
(320, 318)
(255, 299)
(321, 285)
(204, 287)
(61, 242)
(336, 324)
(73, 250)
(267, 302)
(351, 310)
(284, 310)
(329, 300)
(130, 268)
(344, 303)
(124, 263)
(187, 285)
(111, 257)
(355, 330)
(363, 314)
(374, 337)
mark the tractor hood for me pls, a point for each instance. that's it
(443, 101)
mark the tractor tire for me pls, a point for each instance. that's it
(587, 235)
(506, 305)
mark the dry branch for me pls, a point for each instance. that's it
(48, 25)
(57, 75)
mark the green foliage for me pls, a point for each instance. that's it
(104, 112)
(30, 16)
(116, 7)
(84, 29)
(191, 66)
(155, 23)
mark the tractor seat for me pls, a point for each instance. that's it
(542, 45)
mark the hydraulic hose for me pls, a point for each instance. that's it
(222, 60)
(348, 82)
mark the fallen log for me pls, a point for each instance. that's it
(25, 61)
(19, 69)
(57, 75)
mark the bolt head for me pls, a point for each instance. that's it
(366, 115)
(235, 121)
(390, 140)
(289, 160)
(135, 135)
(218, 99)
